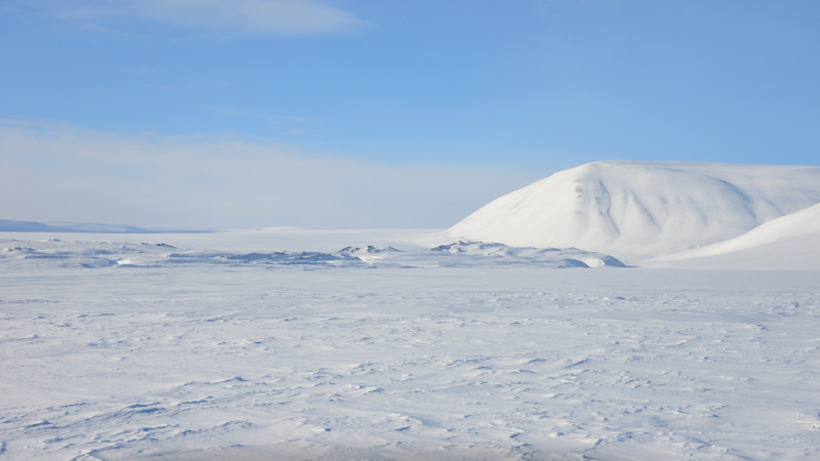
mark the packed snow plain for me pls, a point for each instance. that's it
(116, 349)
(428, 344)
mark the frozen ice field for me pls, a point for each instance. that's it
(235, 348)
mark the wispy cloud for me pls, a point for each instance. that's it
(59, 172)
(240, 17)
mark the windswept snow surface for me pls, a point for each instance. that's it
(639, 210)
(118, 351)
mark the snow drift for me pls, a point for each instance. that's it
(639, 210)
(788, 242)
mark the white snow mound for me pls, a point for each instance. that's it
(639, 210)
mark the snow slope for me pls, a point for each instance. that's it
(788, 242)
(639, 210)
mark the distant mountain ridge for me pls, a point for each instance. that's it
(7, 225)
(640, 210)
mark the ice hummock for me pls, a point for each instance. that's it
(106, 254)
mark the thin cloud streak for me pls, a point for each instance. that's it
(241, 17)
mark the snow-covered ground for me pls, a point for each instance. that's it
(279, 344)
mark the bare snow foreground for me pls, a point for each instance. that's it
(118, 351)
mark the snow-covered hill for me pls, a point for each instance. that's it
(639, 210)
(788, 242)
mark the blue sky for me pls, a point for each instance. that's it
(354, 113)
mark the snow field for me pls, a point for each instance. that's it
(203, 361)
